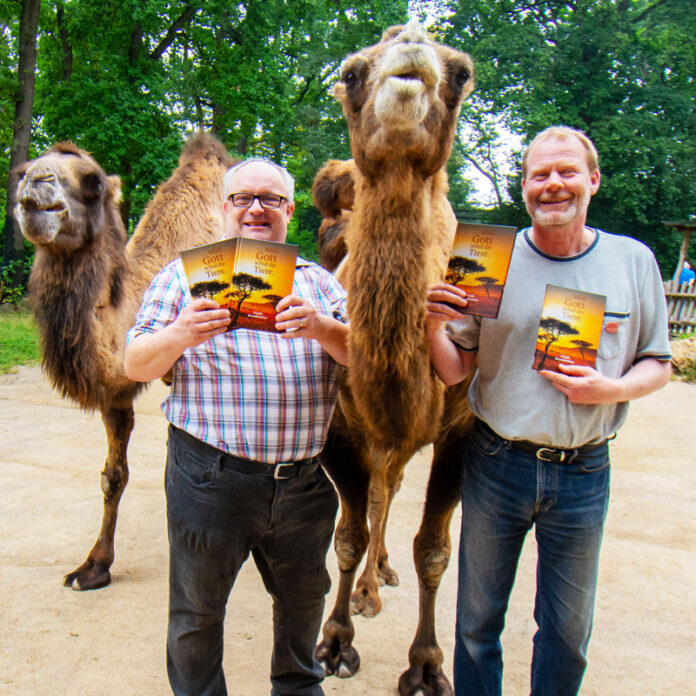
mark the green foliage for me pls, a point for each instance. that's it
(304, 225)
(129, 80)
(12, 292)
(621, 71)
(9, 28)
(19, 343)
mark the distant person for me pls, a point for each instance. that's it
(687, 275)
(249, 412)
(539, 456)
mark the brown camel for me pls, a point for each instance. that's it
(87, 282)
(401, 99)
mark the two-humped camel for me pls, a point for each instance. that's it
(87, 282)
(401, 99)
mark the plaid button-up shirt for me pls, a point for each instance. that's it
(252, 394)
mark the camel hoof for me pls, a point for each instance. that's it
(342, 662)
(87, 579)
(387, 576)
(419, 681)
(344, 672)
(366, 603)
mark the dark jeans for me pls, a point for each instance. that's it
(504, 493)
(216, 517)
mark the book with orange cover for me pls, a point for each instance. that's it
(569, 329)
(245, 275)
(479, 264)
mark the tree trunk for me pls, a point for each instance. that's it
(24, 104)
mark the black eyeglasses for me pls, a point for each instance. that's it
(246, 200)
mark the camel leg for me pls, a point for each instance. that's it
(365, 599)
(94, 572)
(431, 551)
(385, 573)
(342, 461)
(385, 481)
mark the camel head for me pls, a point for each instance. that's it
(401, 99)
(64, 199)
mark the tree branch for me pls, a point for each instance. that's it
(185, 18)
(648, 10)
(67, 61)
(491, 177)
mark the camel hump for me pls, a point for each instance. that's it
(203, 146)
(392, 32)
(67, 147)
(333, 189)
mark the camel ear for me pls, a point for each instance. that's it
(114, 184)
(17, 174)
(334, 188)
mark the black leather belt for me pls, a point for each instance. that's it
(544, 452)
(280, 470)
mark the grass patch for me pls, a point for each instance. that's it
(19, 342)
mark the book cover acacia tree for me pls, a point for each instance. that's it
(244, 275)
(570, 328)
(479, 265)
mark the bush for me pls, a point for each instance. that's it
(11, 290)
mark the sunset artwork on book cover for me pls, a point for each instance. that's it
(479, 265)
(247, 276)
(570, 328)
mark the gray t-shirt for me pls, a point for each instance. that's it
(514, 399)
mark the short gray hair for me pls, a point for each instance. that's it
(563, 133)
(288, 179)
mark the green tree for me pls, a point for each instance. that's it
(128, 81)
(102, 83)
(23, 98)
(621, 70)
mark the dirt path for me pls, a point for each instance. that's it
(110, 642)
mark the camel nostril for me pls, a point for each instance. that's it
(29, 204)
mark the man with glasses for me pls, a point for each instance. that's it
(249, 413)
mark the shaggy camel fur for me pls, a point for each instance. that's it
(87, 282)
(401, 99)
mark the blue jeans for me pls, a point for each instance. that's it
(218, 516)
(504, 493)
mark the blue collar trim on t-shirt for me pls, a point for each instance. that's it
(561, 258)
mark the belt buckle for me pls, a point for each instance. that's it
(561, 454)
(278, 468)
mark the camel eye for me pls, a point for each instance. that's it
(462, 77)
(350, 78)
(92, 186)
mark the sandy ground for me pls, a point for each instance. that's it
(56, 641)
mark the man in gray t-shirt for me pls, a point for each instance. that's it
(538, 455)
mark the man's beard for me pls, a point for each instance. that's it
(553, 218)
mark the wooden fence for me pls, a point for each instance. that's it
(681, 307)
